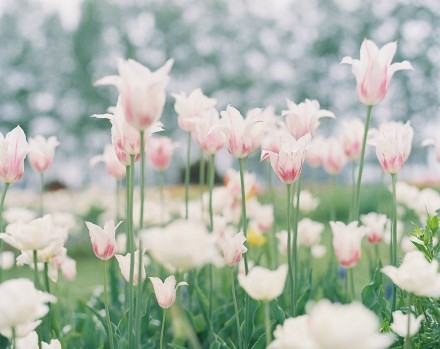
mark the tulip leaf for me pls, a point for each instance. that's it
(373, 295)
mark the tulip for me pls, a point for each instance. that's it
(142, 91)
(374, 71)
(166, 291)
(400, 324)
(160, 152)
(17, 214)
(436, 143)
(124, 266)
(376, 224)
(308, 202)
(416, 275)
(43, 151)
(304, 117)
(333, 157)
(13, 150)
(103, 239)
(68, 268)
(287, 163)
(314, 151)
(233, 248)
(309, 232)
(54, 344)
(28, 342)
(7, 260)
(263, 284)
(207, 133)
(347, 242)
(293, 334)
(351, 138)
(113, 166)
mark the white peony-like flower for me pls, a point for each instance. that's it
(400, 324)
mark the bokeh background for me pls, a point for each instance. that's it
(248, 53)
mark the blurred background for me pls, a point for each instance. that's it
(248, 53)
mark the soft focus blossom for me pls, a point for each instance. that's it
(406, 194)
(308, 202)
(238, 131)
(347, 242)
(263, 284)
(260, 216)
(18, 214)
(103, 239)
(255, 238)
(233, 186)
(54, 344)
(374, 71)
(416, 275)
(112, 164)
(293, 334)
(436, 143)
(21, 307)
(190, 108)
(351, 138)
(160, 151)
(333, 157)
(30, 341)
(427, 201)
(400, 324)
(287, 163)
(13, 150)
(282, 241)
(207, 132)
(309, 232)
(304, 117)
(68, 268)
(124, 266)
(43, 151)
(314, 151)
(318, 251)
(142, 92)
(7, 260)
(376, 224)
(233, 248)
(393, 141)
(166, 291)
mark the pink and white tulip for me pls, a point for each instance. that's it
(351, 138)
(160, 151)
(166, 291)
(103, 239)
(142, 91)
(314, 151)
(377, 226)
(13, 150)
(287, 163)
(233, 248)
(206, 132)
(124, 266)
(374, 71)
(393, 141)
(333, 157)
(347, 241)
(113, 166)
(43, 151)
(304, 117)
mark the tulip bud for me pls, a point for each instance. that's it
(166, 291)
(103, 239)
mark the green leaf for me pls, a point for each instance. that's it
(373, 295)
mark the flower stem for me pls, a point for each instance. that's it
(14, 338)
(141, 217)
(211, 187)
(353, 190)
(408, 344)
(274, 256)
(36, 278)
(2, 202)
(49, 314)
(162, 329)
(138, 298)
(394, 237)
(41, 209)
(295, 244)
(202, 167)
(130, 187)
(161, 196)
(267, 321)
(289, 248)
(187, 173)
(350, 277)
(107, 312)
(361, 166)
(237, 314)
(117, 214)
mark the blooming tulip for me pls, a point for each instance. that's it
(309, 232)
(13, 150)
(333, 157)
(206, 132)
(103, 239)
(314, 151)
(374, 71)
(287, 163)
(142, 91)
(400, 324)
(347, 242)
(124, 266)
(166, 291)
(233, 248)
(376, 224)
(160, 152)
(263, 284)
(43, 151)
(393, 145)
(351, 139)
(304, 117)
(416, 275)
(293, 334)
(308, 202)
(112, 164)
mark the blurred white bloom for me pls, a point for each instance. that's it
(347, 239)
(282, 241)
(406, 194)
(376, 224)
(43, 152)
(65, 222)
(7, 260)
(307, 202)
(233, 184)
(428, 201)
(233, 248)
(124, 266)
(293, 334)
(54, 344)
(153, 213)
(121, 243)
(318, 251)
(314, 151)
(387, 235)
(407, 245)
(400, 324)
(333, 157)
(309, 232)
(351, 138)
(19, 214)
(28, 342)
(68, 268)
(261, 216)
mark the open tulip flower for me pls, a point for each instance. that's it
(347, 242)
(112, 164)
(376, 224)
(351, 138)
(233, 248)
(124, 266)
(374, 71)
(43, 151)
(333, 157)
(206, 132)
(103, 239)
(13, 150)
(400, 324)
(160, 151)
(166, 291)
(142, 91)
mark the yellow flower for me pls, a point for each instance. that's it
(255, 238)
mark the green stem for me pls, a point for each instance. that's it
(408, 344)
(274, 258)
(202, 181)
(353, 189)
(107, 312)
(141, 217)
(394, 237)
(117, 213)
(211, 187)
(267, 321)
(361, 165)
(237, 314)
(14, 338)
(162, 329)
(49, 314)
(295, 244)
(2, 202)
(161, 197)
(187, 173)
(41, 209)
(289, 249)
(36, 278)
(138, 298)
(350, 274)
(130, 187)
(211, 299)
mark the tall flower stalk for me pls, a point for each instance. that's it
(187, 173)
(107, 312)
(237, 313)
(142, 189)
(394, 237)
(289, 249)
(2, 203)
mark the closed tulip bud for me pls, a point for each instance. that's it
(233, 248)
(160, 152)
(374, 71)
(351, 139)
(376, 224)
(43, 151)
(112, 164)
(400, 324)
(103, 239)
(347, 241)
(124, 266)
(166, 291)
(13, 150)
(393, 141)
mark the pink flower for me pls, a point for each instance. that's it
(103, 239)
(351, 139)
(206, 132)
(142, 91)
(160, 152)
(314, 151)
(233, 248)
(190, 108)
(333, 157)
(393, 143)
(13, 150)
(43, 151)
(166, 291)
(304, 117)
(124, 266)
(287, 163)
(373, 71)
(112, 164)
(240, 132)
(347, 242)
(377, 226)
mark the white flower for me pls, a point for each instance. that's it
(28, 342)
(7, 260)
(400, 324)
(309, 232)
(376, 224)
(124, 266)
(308, 202)
(293, 334)
(166, 291)
(233, 248)
(19, 214)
